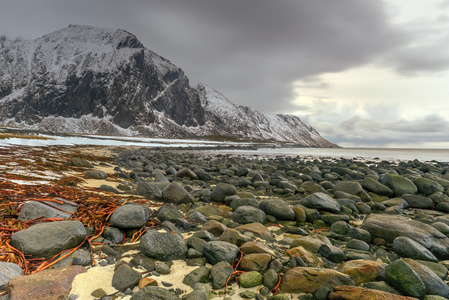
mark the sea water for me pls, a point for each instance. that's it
(391, 154)
(399, 154)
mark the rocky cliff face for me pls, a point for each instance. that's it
(93, 80)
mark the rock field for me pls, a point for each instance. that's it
(204, 225)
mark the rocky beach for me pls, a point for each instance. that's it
(91, 222)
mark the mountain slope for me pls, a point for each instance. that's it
(227, 118)
(94, 80)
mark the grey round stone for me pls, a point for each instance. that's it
(175, 193)
(82, 258)
(129, 216)
(154, 292)
(249, 214)
(357, 244)
(7, 272)
(406, 247)
(113, 234)
(200, 274)
(376, 187)
(95, 174)
(33, 209)
(81, 162)
(149, 191)
(222, 190)
(441, 227)
(270, 278)
(360, 234)
(277, 208)
(398, 184)
(321, 201)
(163, 246)
(434, 284)
(125, 277)
(197, 295)
(220, 273)
(162, 268)
(236, 203)
(217, 251)
(197, 216)
(168, 213)
(340, 227)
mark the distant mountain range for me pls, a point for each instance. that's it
(84, 79)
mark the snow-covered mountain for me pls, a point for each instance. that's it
(84, 79)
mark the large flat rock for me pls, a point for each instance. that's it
(49, 239)
(308, 280)
(389, 227)
(52, 284)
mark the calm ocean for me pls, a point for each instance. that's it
(403, 154)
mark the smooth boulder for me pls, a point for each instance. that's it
(376, 187)
(49, 239)
(149, 190)
(7, 272)
(428, 187)
(46, 209)
(308, 280)
(175, 193)
(389, 227)
(402, 277)
(433, 283)
(217, 251)
(277, 208)
(129, 216)
(249, 214)
(406, 247)
(222, 190)
(50, 284)
(321, 201)
(398, 184)
(358, 293)
(163, 246)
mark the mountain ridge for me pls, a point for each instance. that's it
(85, 79)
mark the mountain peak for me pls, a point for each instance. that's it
(117, 38)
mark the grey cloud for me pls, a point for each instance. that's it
(382, 111)
(430, 57)
(425, 50)
(254, 50)
(430, 124)
(366, 132)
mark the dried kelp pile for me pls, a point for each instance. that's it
(44, 174)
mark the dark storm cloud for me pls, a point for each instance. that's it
(253, 50)
(31, 19)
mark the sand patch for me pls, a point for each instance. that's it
(95, 278)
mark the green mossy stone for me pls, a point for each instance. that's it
(428, 187)
(402, 277)
(250, 279)
(398, 184)
(248, 295)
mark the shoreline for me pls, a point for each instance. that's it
(376, 155)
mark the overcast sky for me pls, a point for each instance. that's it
(364, 73)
